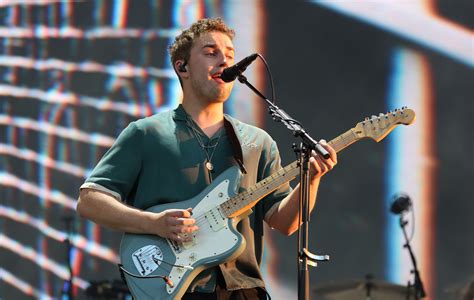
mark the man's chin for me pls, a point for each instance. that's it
(219, 100)
(221, 97)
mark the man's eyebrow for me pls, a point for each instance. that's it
(214, 46)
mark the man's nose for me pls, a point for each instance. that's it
(223, 61)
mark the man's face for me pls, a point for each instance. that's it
(210, 54)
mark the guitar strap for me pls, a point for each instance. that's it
(235, 143)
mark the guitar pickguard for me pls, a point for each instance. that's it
(214, 229)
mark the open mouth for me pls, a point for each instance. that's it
(217, 77)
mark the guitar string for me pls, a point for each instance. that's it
(339, 142)
(266, 182)
(201, 219)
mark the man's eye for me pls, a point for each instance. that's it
(210, 54)
(230, 57)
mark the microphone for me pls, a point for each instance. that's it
(401, 203)
(231, 73)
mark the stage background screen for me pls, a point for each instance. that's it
(74, 74)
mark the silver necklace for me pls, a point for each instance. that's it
(205, 148)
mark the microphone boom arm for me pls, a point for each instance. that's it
(280, 115)
(304, 257)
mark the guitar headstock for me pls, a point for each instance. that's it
(377, 127)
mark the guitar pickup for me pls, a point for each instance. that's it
(215, 219)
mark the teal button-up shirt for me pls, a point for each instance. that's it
(158, 160)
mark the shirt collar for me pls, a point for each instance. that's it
(179, 114)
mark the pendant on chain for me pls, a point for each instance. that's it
(209, 165)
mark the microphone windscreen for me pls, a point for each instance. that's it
(401, 203)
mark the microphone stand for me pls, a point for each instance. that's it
(68, 290)
(418, 284)
(305, 257)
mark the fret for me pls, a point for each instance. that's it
(344, 140)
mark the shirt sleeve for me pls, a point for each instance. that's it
(117, 171)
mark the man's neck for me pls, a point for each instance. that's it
(210, 117)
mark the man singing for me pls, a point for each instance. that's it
(173, 156)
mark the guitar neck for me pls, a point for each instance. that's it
(344, 140)
(244, 201)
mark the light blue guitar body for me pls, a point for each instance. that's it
(216, 241)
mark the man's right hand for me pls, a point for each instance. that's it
(175, 224)
(103, 209)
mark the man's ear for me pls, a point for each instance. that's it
(180, 66)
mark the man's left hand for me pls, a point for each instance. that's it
(319, 165)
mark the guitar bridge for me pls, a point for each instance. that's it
(175, 246)
(147, 259)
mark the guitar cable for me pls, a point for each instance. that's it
(167, 280)
(172, 265)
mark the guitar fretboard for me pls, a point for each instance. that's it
(246, 200)
(344, 140)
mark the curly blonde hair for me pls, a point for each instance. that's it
(181, 47)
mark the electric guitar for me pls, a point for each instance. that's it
(159, 268)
